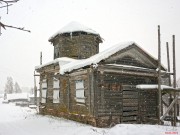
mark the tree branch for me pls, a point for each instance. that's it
(6, 6)
(7, 3)
(19, 28)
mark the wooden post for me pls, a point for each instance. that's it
(174, 78)
(168, 62)
(35, 90)
(0, 27)
(40, 58)
(159, 76)
(169, 108)
(169, 69)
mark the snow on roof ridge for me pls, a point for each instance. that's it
(61, 60)
(96, 58)
(74, 27)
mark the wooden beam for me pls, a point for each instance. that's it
(35, 90)
(164, 103)
(174, 78)
(174, 62)
(169, 108)
(130, 72)
(40, 58)
(159, 75)
(168, 62)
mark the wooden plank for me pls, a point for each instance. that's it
(130, 96)
(130, 104)
(130, 72)
(153, 120)
(130, 113)
(169, 108)
(131, 118)
(108, 114)
(125, 108)
(130, 93)
(130, 101)
(128, 87)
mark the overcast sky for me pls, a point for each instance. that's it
(115, 20)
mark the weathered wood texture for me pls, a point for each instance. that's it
(78, 46)
(133, 56)
(118, 97)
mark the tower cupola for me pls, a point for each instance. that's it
(75, 41)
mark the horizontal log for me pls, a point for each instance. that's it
(130, 96)
(128, 87)
(130, 101)
(130, 113)
(130, 104)
(119, 106)
(130, 108)
(113, 94)
(108, 114)
(130, 93)
(78, 73)
(131, 118)
(113, 98)
(130, 122)
(153, 120)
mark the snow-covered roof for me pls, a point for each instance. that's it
(152, 86)
(74, 27)
(96, 58)
(61, 61)
(17, 96)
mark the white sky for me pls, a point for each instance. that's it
(115, 20)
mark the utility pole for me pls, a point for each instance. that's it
(159, 75)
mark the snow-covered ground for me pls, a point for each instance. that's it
(15, 120)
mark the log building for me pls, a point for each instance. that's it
(98, 88)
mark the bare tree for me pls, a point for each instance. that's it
(6, 4)
(9, 86)
(17, 88)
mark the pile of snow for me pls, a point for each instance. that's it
(94, 59)
(74, 27)
(15, 120)
(152, 86)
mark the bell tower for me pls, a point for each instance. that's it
(75, 41)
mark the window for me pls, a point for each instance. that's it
(56, 91)
(80, 91)
(44, 91)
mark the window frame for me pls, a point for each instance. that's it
(80, 92)
(56, 89)
(44, 91)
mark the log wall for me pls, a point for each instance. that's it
(78, 46)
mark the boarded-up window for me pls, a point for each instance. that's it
(80, 91)
(44, 91)
(56, 92)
